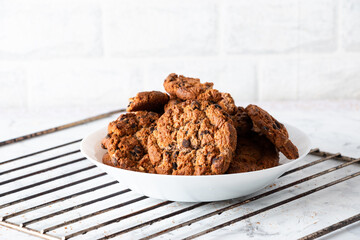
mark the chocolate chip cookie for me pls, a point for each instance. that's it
(148, 101)
(173, 101)
(185, 88)
(275, 131)
(222, 99)
(126, 141)
(107, 160)
(242, 122)
(192, 138)
(253, 152)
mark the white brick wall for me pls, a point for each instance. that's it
(262, 26)
(319, 78)
(49, 29)
(86, 83)
(350, 10)
(83, 53)
(315, 78)
(278, 79)
(160, 28)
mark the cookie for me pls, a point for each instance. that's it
(148, 101)
(126, 141)
(173, 101)
(275, 131)
(222, 99)
(185, 88)
(107, 160)
(253, 152)
(105, 141)
(242, 122)
(192, 138)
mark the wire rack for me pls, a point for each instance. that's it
(55, 193)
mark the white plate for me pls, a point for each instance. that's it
(194, 188)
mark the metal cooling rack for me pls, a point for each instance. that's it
(55, 193)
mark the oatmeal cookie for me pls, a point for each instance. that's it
(253, 152)
(148, 101)
(186, 88)
(126, 141)
(192, 138)
(275, 131)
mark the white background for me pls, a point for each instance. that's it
(64, 60)
(75, 53)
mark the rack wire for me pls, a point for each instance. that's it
(84, 196)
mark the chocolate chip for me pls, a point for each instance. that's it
(152, 129)
(152, 120)
(186, 132)
(114, 161)
(174, 165)
(217, 106)
(168, 154)
(204, 132)
(176, 154)
(118, 125)
(278, 124)
(137, 149)
(133, 125)
(186, 143)
(265, 128)
(274, 126)
(103, 146)
(108, 136)
(195, 105)
(215, 159)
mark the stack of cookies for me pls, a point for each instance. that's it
(194, 129)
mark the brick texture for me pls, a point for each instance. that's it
(325, 78)
(160, 28)
(66, 53)
(310, 79)
(350, 12)
(278, 79)
(263, 26)
(82, 83)
(43, 29)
